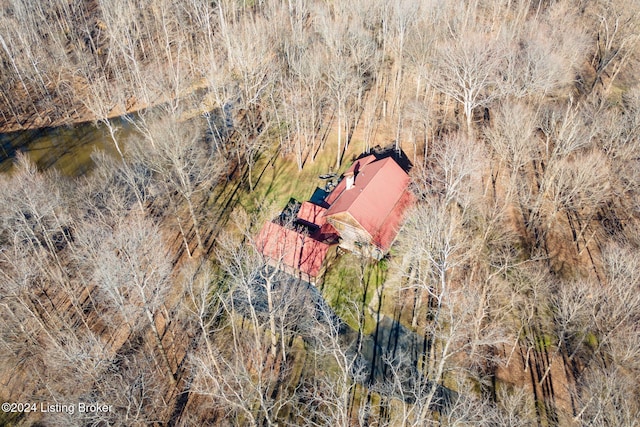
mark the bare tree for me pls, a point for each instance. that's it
(606, 398)
(537, 59)
(615, 29)
(105, 100)
(465, 70)
(182, 163)
(348, 56)
(338, 369)
(241, 368)
(132, 278)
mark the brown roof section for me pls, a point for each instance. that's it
(377, 200)
(292, 248)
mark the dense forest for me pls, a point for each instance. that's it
(512, 290)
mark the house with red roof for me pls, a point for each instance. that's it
(362, 214)
(368, 205)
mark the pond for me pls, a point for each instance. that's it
(65, 148)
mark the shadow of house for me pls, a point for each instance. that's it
(394, 350)
(398, 156)
(392, 356)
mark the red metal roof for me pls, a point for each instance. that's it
(377, 200)
(313, 214)
(387, 234)
(292, 248)
(356, 167)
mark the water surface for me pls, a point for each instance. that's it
(66, 148)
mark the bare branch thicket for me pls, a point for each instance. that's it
(49, 333)
(182, 165)
(613, 32)
(304, 96)
(465, 259)
(128, 263)
(331, 392)
(348, 58)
